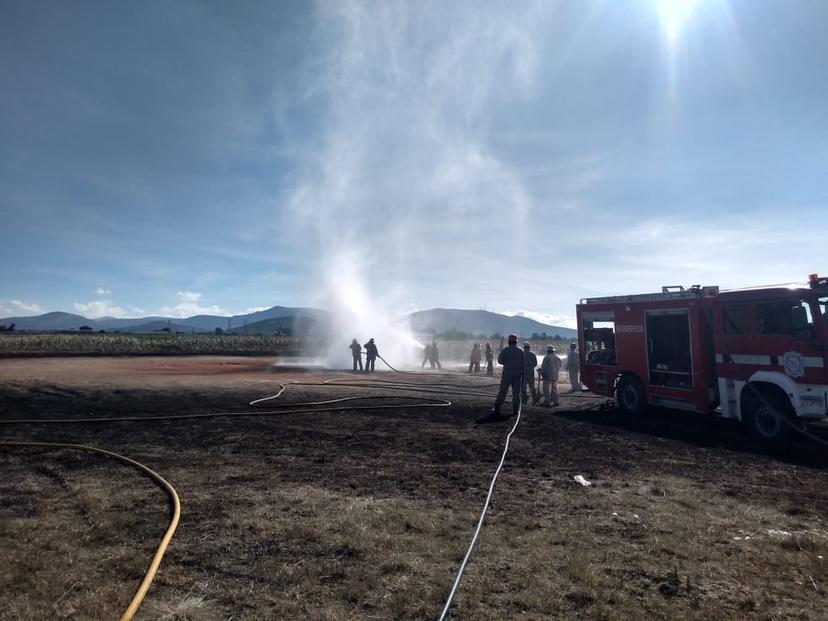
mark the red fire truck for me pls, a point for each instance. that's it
(750, 354)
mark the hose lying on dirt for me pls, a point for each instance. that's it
(462, 567)
(420, 373)
(173, 495)
(289, 409)
(129, 613)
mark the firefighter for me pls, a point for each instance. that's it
(426, 355)
(356, 352)
(511, 357)
(489, 360)
(371, 353)
(435, 355)
(530, 361)
(550, 368)
(573, 368)
(474, 359)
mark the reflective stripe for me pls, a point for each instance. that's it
(745, 359)
(759, 360)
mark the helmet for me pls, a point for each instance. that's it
(527, 345)
(550, 349)
(513, 338)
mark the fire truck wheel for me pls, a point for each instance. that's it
(631, 397)
(764, 420)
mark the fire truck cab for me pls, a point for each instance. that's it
(748, 354)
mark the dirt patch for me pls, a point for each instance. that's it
(367, 514)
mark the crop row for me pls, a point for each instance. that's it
(117, 344)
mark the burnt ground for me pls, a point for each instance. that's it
(366, 514)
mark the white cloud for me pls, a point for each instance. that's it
(188, 306)
(100, 292)
(255, 309)
(189, 296)
(100, 308)
(26, 307)
(550, 319)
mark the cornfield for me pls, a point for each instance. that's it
(128, 344)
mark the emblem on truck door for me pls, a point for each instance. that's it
(793, 363)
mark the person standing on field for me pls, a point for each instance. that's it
(572, 365)
(550, 368)
(371, 353)
(356, 352)
(474, 359)
(489, 360)
(512, 360)
(426, 355)
(530, 361)
(435, 355)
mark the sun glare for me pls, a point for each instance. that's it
(674, 14)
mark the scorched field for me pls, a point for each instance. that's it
(367, 513)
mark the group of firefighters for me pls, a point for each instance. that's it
(477, 356)
(431, 354)
(518, 369)
(371, 354)
(519, 372)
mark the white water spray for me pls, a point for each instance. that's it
(362, 312)
(402, 198)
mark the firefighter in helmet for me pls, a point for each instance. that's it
(356, 352)
(371, 353)
(511, 357)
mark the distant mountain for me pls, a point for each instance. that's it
(300, 320)
(152, 327)
(208, 323)
(111, 323)
(439, 320)
(50, 321)
(302, 325)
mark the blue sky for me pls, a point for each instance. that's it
(183, 157)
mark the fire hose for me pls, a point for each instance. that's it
(129, 613)
(320, 406)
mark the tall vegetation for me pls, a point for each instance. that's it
(128, 344)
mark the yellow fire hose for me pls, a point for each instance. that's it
(129, 613)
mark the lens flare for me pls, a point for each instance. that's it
(674, 14)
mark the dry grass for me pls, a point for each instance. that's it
(366, 516)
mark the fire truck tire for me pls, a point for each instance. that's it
(764, 421)
(631, 397)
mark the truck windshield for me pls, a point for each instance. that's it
(792, 317)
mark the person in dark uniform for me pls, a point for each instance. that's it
(356, 352)
(511, 357)
(489, 360)
(426, 355)
(435, 355)
(371, 353)
(474, 359)
(530, 361)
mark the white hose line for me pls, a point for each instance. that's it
(480, 521)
